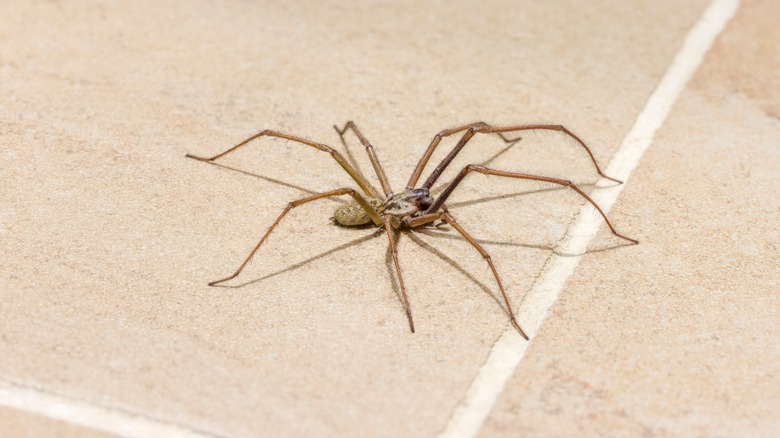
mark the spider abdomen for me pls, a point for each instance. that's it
(352, 214)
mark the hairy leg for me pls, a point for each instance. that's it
(333, 153)
(484, 128)
(380, 172)
(437, 139)
(486, 171)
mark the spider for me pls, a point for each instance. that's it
(414, 206)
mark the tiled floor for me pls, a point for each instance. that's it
(15, 423)
(681, 336)
(109, 235)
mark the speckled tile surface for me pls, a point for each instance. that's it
(679, 337)
(21, 424)
(109, 235)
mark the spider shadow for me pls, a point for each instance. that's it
(621, 244)
(550, 247)
(546, 247)
(439, 234)
(444, 257)
(431, 231)
(390, 264)
(510, 195)
(269, 179)
(343, 246)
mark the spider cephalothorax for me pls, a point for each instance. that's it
(414, 207)
(410, 202)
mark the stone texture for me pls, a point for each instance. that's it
(109, 235)
(19, 424)
(678, 336)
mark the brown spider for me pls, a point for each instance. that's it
(414, 206)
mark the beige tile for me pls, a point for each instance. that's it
(676, 336)
(20, 424)
(110, 235)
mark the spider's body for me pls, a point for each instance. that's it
(413, 207)
(408, 204)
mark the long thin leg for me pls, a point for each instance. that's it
(380, 172)
(345, 191)
(415, 222)
(394, 250)
(481, 127)
(450, 220)
(484, 170)
(333, 153)
(435, 142)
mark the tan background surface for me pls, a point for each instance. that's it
(16, 423)
(109, 235)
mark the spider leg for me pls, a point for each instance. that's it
(394, 250)
(450, 220)
(380, 172)
(484, 170)
(481, 127)
(333, 153)
(345, 191)
(435, 142)
(414, 222)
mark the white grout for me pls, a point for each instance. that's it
(88, 415)
(508, 351)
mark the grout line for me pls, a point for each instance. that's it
(91, 416)
(468, 417)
